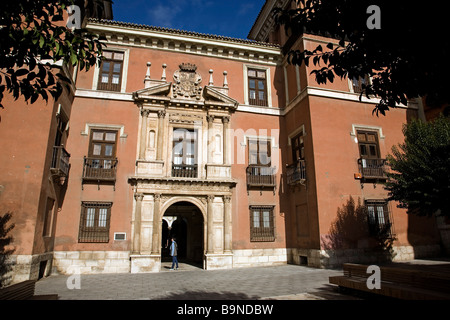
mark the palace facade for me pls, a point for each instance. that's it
(218, 141)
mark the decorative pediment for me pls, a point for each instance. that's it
(158, 90)
(213, 97)
(185, 90)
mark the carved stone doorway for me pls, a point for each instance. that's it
(184, 221)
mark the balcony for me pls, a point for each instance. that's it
(372, 169)
(261, 176)
(99, 169)
(60, 162)
(184, 170)
(296, 173)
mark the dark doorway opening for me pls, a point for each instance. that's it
(184, 221)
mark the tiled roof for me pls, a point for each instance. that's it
(181, 32)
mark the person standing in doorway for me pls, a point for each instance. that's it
(173, 253)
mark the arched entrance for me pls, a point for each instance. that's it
(184, 221)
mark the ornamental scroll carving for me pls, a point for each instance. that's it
(187, 82)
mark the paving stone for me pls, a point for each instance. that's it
(193, 283)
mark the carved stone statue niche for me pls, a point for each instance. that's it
(187, 82)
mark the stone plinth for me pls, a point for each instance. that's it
(145, 263)
(218, 261)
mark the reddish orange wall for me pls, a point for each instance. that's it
(242, 199)
(137, 68)
(27, 133)
(336, 154)
(98, 111)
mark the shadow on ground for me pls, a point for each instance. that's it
(203, 295)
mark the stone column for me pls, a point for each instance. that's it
(143, 142)
(227, 228)
(137, 222)
(156, 247)
(210, 119)
(226, 145)
(159, 149)
(210, 232)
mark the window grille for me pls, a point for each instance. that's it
(262, 226)
(379, 218)
(94, 222)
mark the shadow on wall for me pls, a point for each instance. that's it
(351, 238)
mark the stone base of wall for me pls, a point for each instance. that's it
(218, 261)
(145, 263)
(86, 262)
(335, 258)
(260, 257)
(27, 267)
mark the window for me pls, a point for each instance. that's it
(60, 157)
(358, 83)
(296, 172)
(94, 222)
(184, 157)
(110, 73)
(368, 144)
(259, 152)
(60, 129)
(259, 170)
(261, 223)
(257, 87)
(103, 148)
(298, 149)
(101, 161)
(378, 217)
(371, 164)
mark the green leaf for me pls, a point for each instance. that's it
(73, 58)
(41, 41)
(57, 50)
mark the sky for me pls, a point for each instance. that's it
(231, 18)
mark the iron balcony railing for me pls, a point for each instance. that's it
(296, 173)
(100, 169)
(372, 168)
(60, 161)
(184, 170)
(261, 176)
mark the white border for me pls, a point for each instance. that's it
(356, 127)
(119, 127)
(124, 233)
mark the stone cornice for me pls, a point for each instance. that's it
(127, 34)
(184, 182)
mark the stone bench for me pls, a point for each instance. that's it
(397, 282)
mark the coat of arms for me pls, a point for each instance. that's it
(187, 82)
